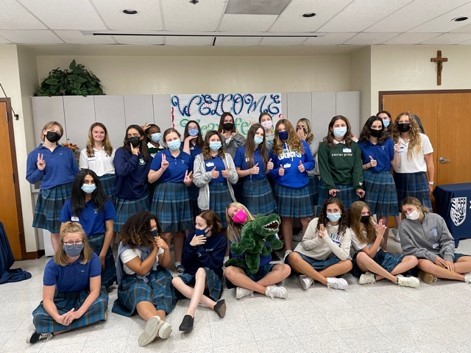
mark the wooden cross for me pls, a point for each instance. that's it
(439, 60)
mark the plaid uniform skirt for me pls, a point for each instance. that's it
(386, 260)
(64, 302)
(347, 194)
(293, 203)
(126, 208)
(108, 274)
(213, 288)
(193, 192)
(107, 182)
(413, 184)
(258, 196)
(171, 205)
(155, 288)
(219, 198)
(49, 207)
(380, 193)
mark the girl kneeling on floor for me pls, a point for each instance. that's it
(370, 262)
(324, 251)
(203, 257)
(144, 281)
(264, 281)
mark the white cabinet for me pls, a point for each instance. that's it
(109, 110)
(46, 109)
(79, 115)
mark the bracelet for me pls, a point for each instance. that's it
(431, 183)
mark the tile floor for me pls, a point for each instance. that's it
(374, 318)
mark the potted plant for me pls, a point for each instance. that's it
(74, 81)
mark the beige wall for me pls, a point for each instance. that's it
(360, 73)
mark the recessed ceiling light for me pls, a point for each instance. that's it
(459, 19)
(129, 12)
(310, 14)
(194, 2)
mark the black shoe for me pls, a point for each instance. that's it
(187, 324)
(36, 337)
(220, 308)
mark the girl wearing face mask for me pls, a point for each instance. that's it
(145, 283)
(214, 174)
(268, 275)
(72, 294)
(377, 151)
(132, 164)
(291, 159)
(387, 121)
(340, 164)
(370, 262)
(251, 162)
(425, 235)
(414, 174)
(55, 167)
(203, 258)
(231, 139)
(90, 206)
(154, 138)
(171, 170)
(98, 156)
(324, 251)
(266, 121)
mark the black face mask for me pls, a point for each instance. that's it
(53, 136)
(228, 126)
(365, 219)
(376, 133)
(403, 127)
(134, 141)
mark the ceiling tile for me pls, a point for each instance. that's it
(286, 41)
(189, 41)
(449, 38)
(329, 39)
(370, 38)
(181, 16)
(77, 37)
(230, 41)
(444, 22)
(411, 38)
(142, 40)
(246, 23)
(31, 36)
(149, 16)
(15, 16)
(4, 40)
(259, 7)
(77, 14)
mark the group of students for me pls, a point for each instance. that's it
(191, 188)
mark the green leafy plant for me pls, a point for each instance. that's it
(74, 81)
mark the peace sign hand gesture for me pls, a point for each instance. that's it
(187, 180)
(164, 164)
(41, 163)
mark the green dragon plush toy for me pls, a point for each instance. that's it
(258, 237)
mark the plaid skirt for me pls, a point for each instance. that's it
(64, 302)
(171, 205)
(126, 208)
(347, 194)
(293, 203)
(386, 260)
(219, 198)
(412, 184)
(108, 274)
(155, 288)
(213, 288)
(380, 193)
(107, 182)
(258, 196)
(49, 207)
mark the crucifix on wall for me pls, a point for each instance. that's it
(439, 60)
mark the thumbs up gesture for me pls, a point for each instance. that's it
(225, 173)
(281, 170)
(164, 164)
(373, 162)
(270, 165)
(214, 173)
(301, 167)
(255, 169)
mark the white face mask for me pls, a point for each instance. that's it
(413, 216)
(340, 131)
(267, 124)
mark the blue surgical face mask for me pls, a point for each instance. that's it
(193, 132)
(340, 131)
(201, 232)
(174, 145)
(258, 140)
(386, 122)
(283, 135)
(88, 188)
(73, 250)
(334, 217)
(215, 145)
(156, 137)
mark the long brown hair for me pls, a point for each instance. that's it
(414, 202)
(212, 220)
(142, 146)
(343, 223)
(60, 257)
(106, 143)
(250, 146)
(329, 139)
(354, 216)
(415, 142)
(294, 142)
(366, 131)
(207, 150)
(221, 122)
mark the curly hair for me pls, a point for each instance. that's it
(354, 216)
(343, 224)
(415, 141)
(329, 139)
(294, 142)
(91, 143)
(136, 230)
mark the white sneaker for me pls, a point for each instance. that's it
(242, 292)
(276, 292)
(337, 283)
(151, 330)
(411, 281)
(467, 277)
(305, 281)
(287, 252)
(298, 237)
(367, 278)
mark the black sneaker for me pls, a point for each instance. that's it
(220, 308)
(36, 337)
(187, 324)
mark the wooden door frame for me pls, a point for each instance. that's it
(16, 183)
(391, 93)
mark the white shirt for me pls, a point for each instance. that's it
(129, 254)
(101, 163)
(416, 163)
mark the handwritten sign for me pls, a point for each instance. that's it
(207, 109)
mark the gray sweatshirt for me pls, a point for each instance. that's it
(428, 239)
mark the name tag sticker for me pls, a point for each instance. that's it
(287, 165)
(435, 245)
(210, 164)
(74, 219)
(347, 150)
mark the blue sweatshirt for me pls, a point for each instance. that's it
(209, 255)
(61, 167)
(290, 160)
(130, 175)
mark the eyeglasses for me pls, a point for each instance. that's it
(77, 242)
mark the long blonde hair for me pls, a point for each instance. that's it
(309, 134)
(415, 142)
(60, 257)
(364, 233)
(234, 229)
(106, 143)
